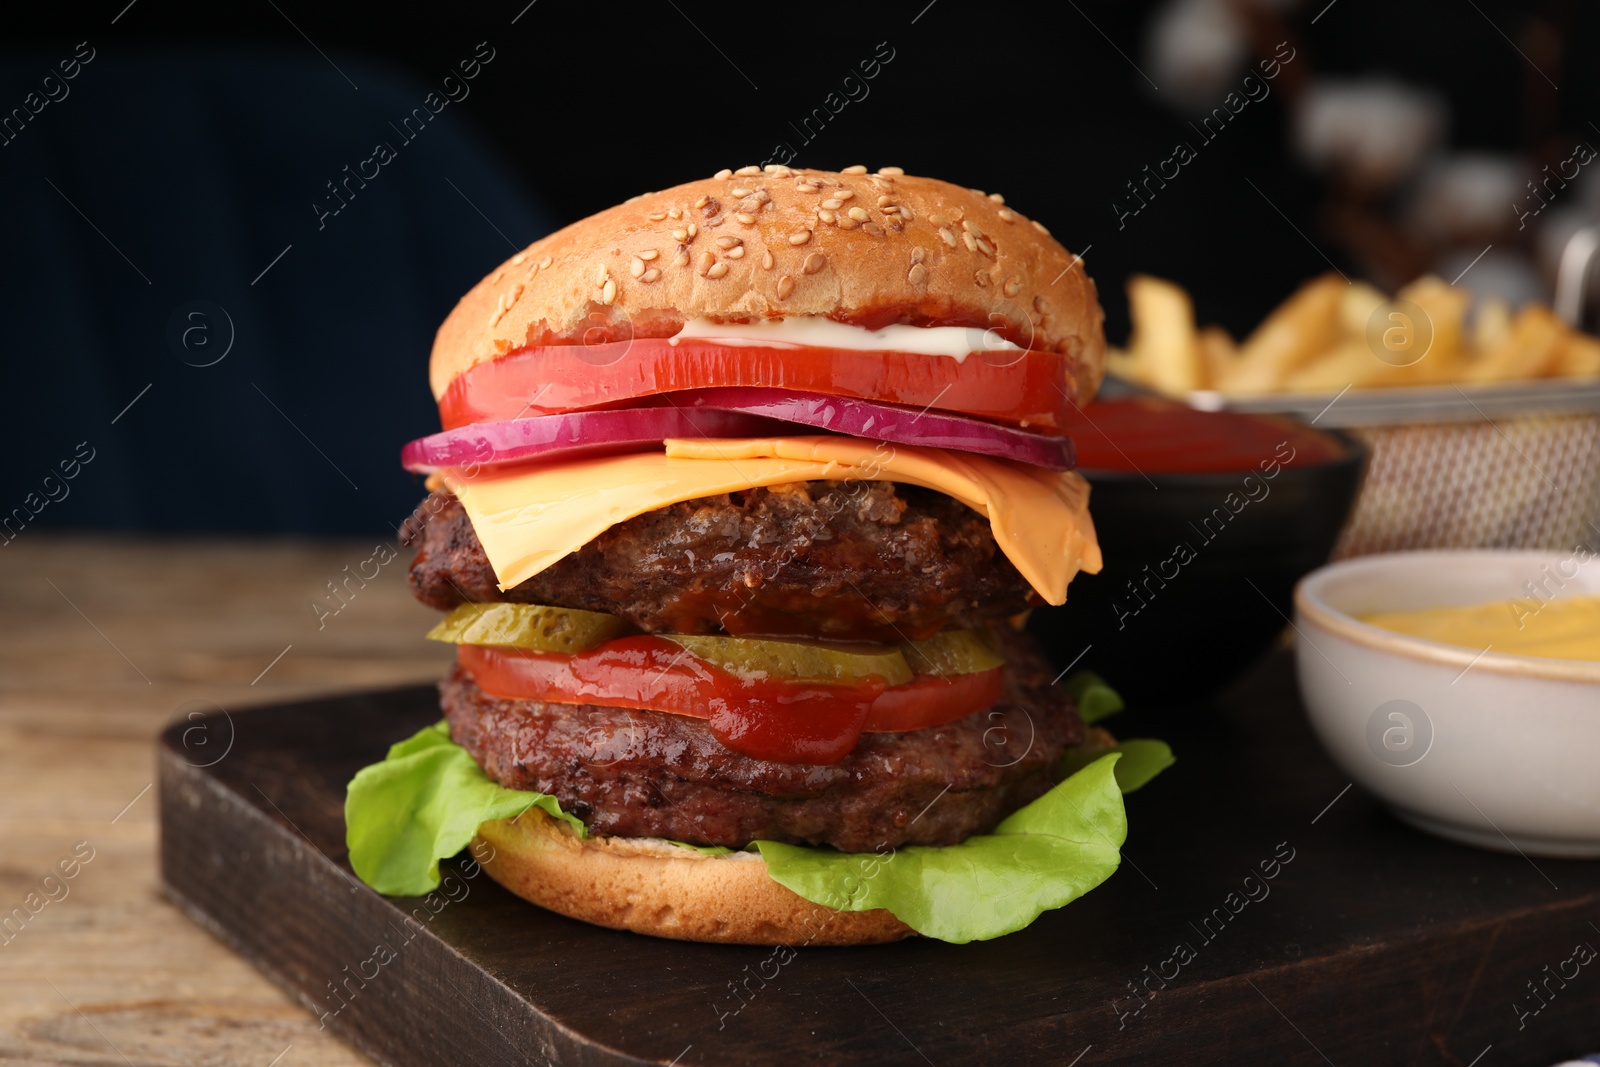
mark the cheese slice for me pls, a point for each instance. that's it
(529, 518)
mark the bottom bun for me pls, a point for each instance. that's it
(654, 887)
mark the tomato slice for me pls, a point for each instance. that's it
(1027, 388)
(933, 700)
(779, 719)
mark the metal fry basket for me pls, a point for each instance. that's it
(1504, 466)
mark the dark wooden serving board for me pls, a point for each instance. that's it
(1375, 944)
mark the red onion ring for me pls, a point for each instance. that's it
(575, 435)
(724, 412)
(885, 422)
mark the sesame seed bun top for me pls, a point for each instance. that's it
(859, 248)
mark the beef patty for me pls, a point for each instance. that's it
(874, 561)
(651, 774)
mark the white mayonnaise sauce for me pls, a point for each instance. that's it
(817, 331)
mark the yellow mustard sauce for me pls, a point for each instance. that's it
(1568, 628)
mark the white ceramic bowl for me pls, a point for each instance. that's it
(1488, 749)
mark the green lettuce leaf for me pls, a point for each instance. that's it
(1095, 699)
(1142, 759)
(425, 801)
(709, 850)
(1047, 854)
(422, 804)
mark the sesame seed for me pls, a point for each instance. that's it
(599, 273)
(785, 287)
(938, 220)
(857, 169)
(917, 274)
(968, 225)
(516, 260)
(702, 202)
(891, 172)
(1007, 215)
(814, 262)
(1039, 303)
(681, 259)
(705, 262)
(1013, 285)
(845, 194)
(636, 267)
(693, 231)
(736, 252)
(981, 279)
(609, 292)
(545, 262)
(884, 201)
(859, 214)
(496, 276)
(1040, 227)
(985, 247)
(799, 237)
(997, 198)
(806, 187)
(947, 237)
(648, 254)
(833, 203)
(650, 275)
(918, 255)
(848, 223)
(680, 235)
(675, 213)
(894, 223)
(739, 190)
(723, 173)
(727, 242)
(827, 216)
(766, 259)
(873, 228)
(745, 217)
(978, 192)
(658, 216)
(746, 172)
(971, 242)
(717, 270)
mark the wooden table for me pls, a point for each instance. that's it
(102, 643)
(1419, 956)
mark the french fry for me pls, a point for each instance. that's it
(1580, 357)
(1530, 350)
(1346, 364)
(1356, 305)
(1329, 335)
(1126, 365)
(1293, 335)
(1219, 358)
(1163, 338)
(1492, 325)
(1446, 309)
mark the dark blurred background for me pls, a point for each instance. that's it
(236, 348)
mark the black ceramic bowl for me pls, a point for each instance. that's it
(1193, 591)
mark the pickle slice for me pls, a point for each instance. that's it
(809, 660)
(953, 652)
(531, 626)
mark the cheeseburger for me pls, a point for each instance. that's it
(742, 491)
